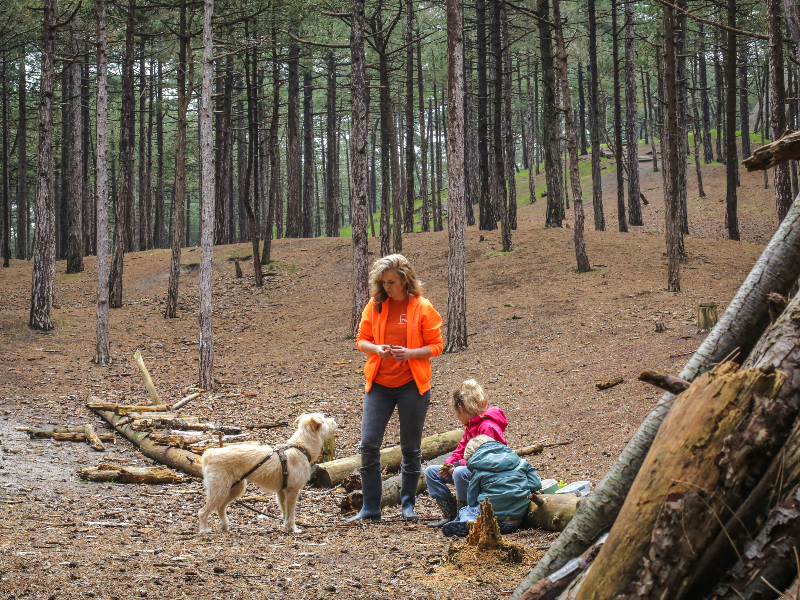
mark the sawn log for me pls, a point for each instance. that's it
(553, 514)
(331, 474)
(119, 474)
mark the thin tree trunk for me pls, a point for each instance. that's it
(594, 110)
(705, 107)
(782, 183)
(549, 138)
(408, 225)
(582, 107)
(423, 145)
(275, 190)
(456, 278)
(358, 141)
(332, 217)
(179, 196)
(308, 156)
(6, 157)
(531, 139)
(700, 191)
(148, 171)
(74, 163)
(623, 224)
(44, 255)
(581, 256)
(102, 353)
(252, 148)
(632, 120)
(143, 214)
(681, 80)
(439, 222)
(510, 162)
(207, 209)
(731, 154)
(293, 157)
(159, 232)
(23, 209)
(488, 220)
(497, 130)
(719, 84)
(672, 129)
(653, 118)
(744, 107)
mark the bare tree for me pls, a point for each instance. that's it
(23, 212)
(671, 196)
(549, 139)
(207, 220)
(74, 166)
(632, 119)
(782, 182)
(293, 157)
(358, 142)
(102, 354)
(594, 113)
(332, 217)
(623, 223)
(457, 272)
(572, 144)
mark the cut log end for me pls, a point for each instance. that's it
(609, 383)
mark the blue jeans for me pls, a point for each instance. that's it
(437, 485)
(412, 407)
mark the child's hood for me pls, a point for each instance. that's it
(495, 457)
(497, 415)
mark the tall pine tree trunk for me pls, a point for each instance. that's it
(423, 145)
(293, 158)
(252, 149)
(456, 278)
(308, 156)
(510, 163)
(705, 107)
(671, 129)
(74, 163)
(581, 256)
(731, 153)
(44, 251)
(582, 101)
(782, 183)
(632, 119)
(744, 104)
(488, 220)
(549, 139)
(102, 354)
(594, 109)
(159, 232)
(623, 224)
(408, 224)
(23, 210)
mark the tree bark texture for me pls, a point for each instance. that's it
(782, 183)
(632, 119)
(456, 197)
(159, 232)
(744, 104)
(582, 108)
(332, 217)
(740, 327)
(497, 126)
(23, 210)
(581, 257)
(252, 148)
(44, 256)
(705, 105)
(306, 230)
(510, 151)
(549, 138)
(671, 158)
(423, 145)
(408, 224)
(102, 354)
(594, 121)
(358, 141)
(144, 210)
(74, 166)
(488, 220)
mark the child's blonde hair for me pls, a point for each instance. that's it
(469, 396)
(474, 444)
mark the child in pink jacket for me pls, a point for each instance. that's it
(478, 418)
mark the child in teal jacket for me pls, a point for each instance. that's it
(502, 477)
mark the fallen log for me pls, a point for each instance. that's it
(331, 474)
(551, 587)
(608, 383)
(80, 436)
(554, 512)
(390, 496)
(183, 402)
(122, 409)
(118, 474)
(745, 319)
(670, 383)
(726, 423)
(92, 439)
(779, 151)
(175, 458)
(179, 441)
(148, 381)
(34, 433)
(200, 447)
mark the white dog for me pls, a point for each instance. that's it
(227, 470)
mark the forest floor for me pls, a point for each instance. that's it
(540, 336)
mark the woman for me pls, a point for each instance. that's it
(400, 330)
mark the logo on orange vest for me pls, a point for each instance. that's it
(403, 319)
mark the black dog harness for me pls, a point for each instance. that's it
(280, 449)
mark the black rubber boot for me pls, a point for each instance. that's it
(408, 495)
(448, 506)
(371, 489)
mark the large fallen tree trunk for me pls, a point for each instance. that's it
(742, 324)
(552, 512)
(779, 151)
(331, 474)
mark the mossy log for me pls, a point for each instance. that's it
(717, 430)
(553, 514)
(331, 474)
(120, 474)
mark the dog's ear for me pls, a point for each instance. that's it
(316, 422)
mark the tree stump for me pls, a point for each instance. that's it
(707, 315)
(328, 450)
(239, 274)
(485, 533)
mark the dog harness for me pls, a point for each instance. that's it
(280, 449)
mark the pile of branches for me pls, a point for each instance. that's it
(704, 502)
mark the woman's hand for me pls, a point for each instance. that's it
(383, 350)
(402, 354)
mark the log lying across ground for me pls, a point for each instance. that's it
(120, 474)
(745, 319)
(554, 512)
(333, 473)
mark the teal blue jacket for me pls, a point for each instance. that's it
(504, 478)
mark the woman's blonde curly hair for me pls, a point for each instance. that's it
(392, 262)
(469, 396)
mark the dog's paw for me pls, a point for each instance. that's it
(293, 529)
(206, 530)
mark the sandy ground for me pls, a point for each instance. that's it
(541, 335)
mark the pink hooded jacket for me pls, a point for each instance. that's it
(493, 423)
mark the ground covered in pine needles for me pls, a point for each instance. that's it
(541, 336)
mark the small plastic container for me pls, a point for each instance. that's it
(549, 486)
(579, 488)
